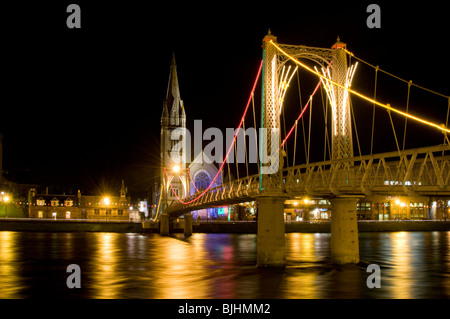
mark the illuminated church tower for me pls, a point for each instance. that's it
(173, 167)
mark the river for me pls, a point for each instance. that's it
(137, 266)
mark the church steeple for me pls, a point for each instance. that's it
(173, 101)
(123, 190)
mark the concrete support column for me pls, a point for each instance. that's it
(187, 224)
(271, 251)
(164, 225)
(306, 214)
(344, 231)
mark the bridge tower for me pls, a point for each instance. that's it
(173, 147)
(342, 142)
(344, 223)
(271, 229)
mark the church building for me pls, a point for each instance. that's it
(180, 179)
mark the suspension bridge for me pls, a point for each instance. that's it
(344, 176)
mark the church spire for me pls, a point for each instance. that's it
(173, 100)
(123, 190)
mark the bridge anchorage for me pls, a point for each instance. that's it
(343, 179)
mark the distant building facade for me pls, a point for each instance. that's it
(102, 208)
(376, 207)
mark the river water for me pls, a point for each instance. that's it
(134, 266)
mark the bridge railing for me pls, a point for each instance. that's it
(407, 171)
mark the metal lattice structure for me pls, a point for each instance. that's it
(336, 58)
(342, 143)
(271, 114)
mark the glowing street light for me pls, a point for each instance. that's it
(106, 201)
(176, 169)
(6, 199)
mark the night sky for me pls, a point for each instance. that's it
(81, 107)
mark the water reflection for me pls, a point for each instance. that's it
(414, 265)
(401, 265)
(10, 280)
(105, 279)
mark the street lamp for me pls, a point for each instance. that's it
(5, 198)
(106, 201)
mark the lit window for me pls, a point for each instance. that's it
(202, 181)
(68, 202)
(40, 202)
(54, 202)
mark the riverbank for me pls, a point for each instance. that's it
(36, 225)
(68, 226)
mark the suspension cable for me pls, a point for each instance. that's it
(356, 129)
(396, 77)
(245, 147)
(190, 176)
(159, 202)
(229, 172)
(285, 146)
(309, 129)
(386, 106)
(301, 117)
(262, 121)
(406, 119)
(295, 143)
(326, 141)
(446, 123)
(393, 129)
(301, 111)
(374, 106)
(256, 135)
(237, 162)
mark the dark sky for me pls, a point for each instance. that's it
(81, 107)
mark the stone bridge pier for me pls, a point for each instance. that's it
(165, 221)
(271, 251)
(344, 230)
(270, 242)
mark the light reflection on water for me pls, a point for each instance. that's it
(114, 265)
